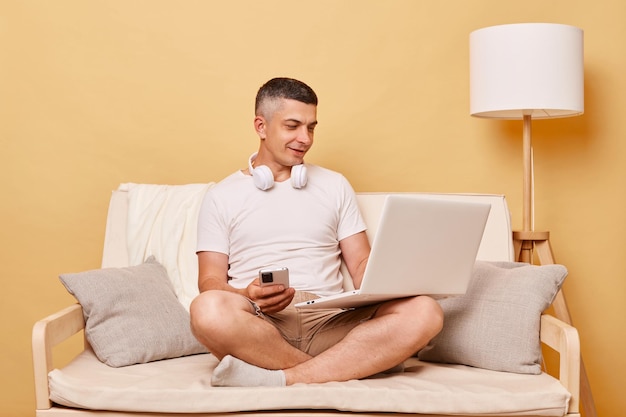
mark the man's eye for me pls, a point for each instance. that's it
(292, 127)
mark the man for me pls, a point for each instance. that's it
(282, 212)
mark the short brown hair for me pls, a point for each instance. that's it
(285, 88)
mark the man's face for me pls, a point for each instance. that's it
(287, 132)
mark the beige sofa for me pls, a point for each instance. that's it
(486, 362)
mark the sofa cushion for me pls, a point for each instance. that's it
(496, 324)
(182, 385)
(132, 314)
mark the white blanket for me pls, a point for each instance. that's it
(162, 221)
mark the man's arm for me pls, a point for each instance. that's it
(213, 275)
(355, 251)
(213, 272)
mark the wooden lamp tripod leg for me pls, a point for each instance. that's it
(524, 243)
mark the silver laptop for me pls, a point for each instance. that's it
(423, 246)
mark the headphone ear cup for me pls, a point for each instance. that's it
(298, 176)
(263, 177)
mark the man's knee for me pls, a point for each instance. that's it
(419, 314)
(212, 312)
(433, 312)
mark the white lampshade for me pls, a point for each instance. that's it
(522, 69)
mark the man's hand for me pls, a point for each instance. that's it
(270, 298)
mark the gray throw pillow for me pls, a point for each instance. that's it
(496, 324)
(132, 314)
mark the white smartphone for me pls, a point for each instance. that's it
(274, 276)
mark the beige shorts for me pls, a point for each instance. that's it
(315, 330)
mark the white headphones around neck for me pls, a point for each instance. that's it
(264, 178)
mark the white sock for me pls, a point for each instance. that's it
(233, 372)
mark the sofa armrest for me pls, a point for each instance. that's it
(48, 333)
(563, 338)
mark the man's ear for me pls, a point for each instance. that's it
(259, 126)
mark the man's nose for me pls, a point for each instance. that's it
(305, 135)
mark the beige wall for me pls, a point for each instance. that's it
(94, 93)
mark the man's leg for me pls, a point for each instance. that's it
(398, 330)
(227, 324)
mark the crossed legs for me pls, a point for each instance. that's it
(227, 324)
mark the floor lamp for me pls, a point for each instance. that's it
(522, 72)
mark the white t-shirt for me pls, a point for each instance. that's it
(282, 226)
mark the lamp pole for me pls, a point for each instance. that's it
(526, 253)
